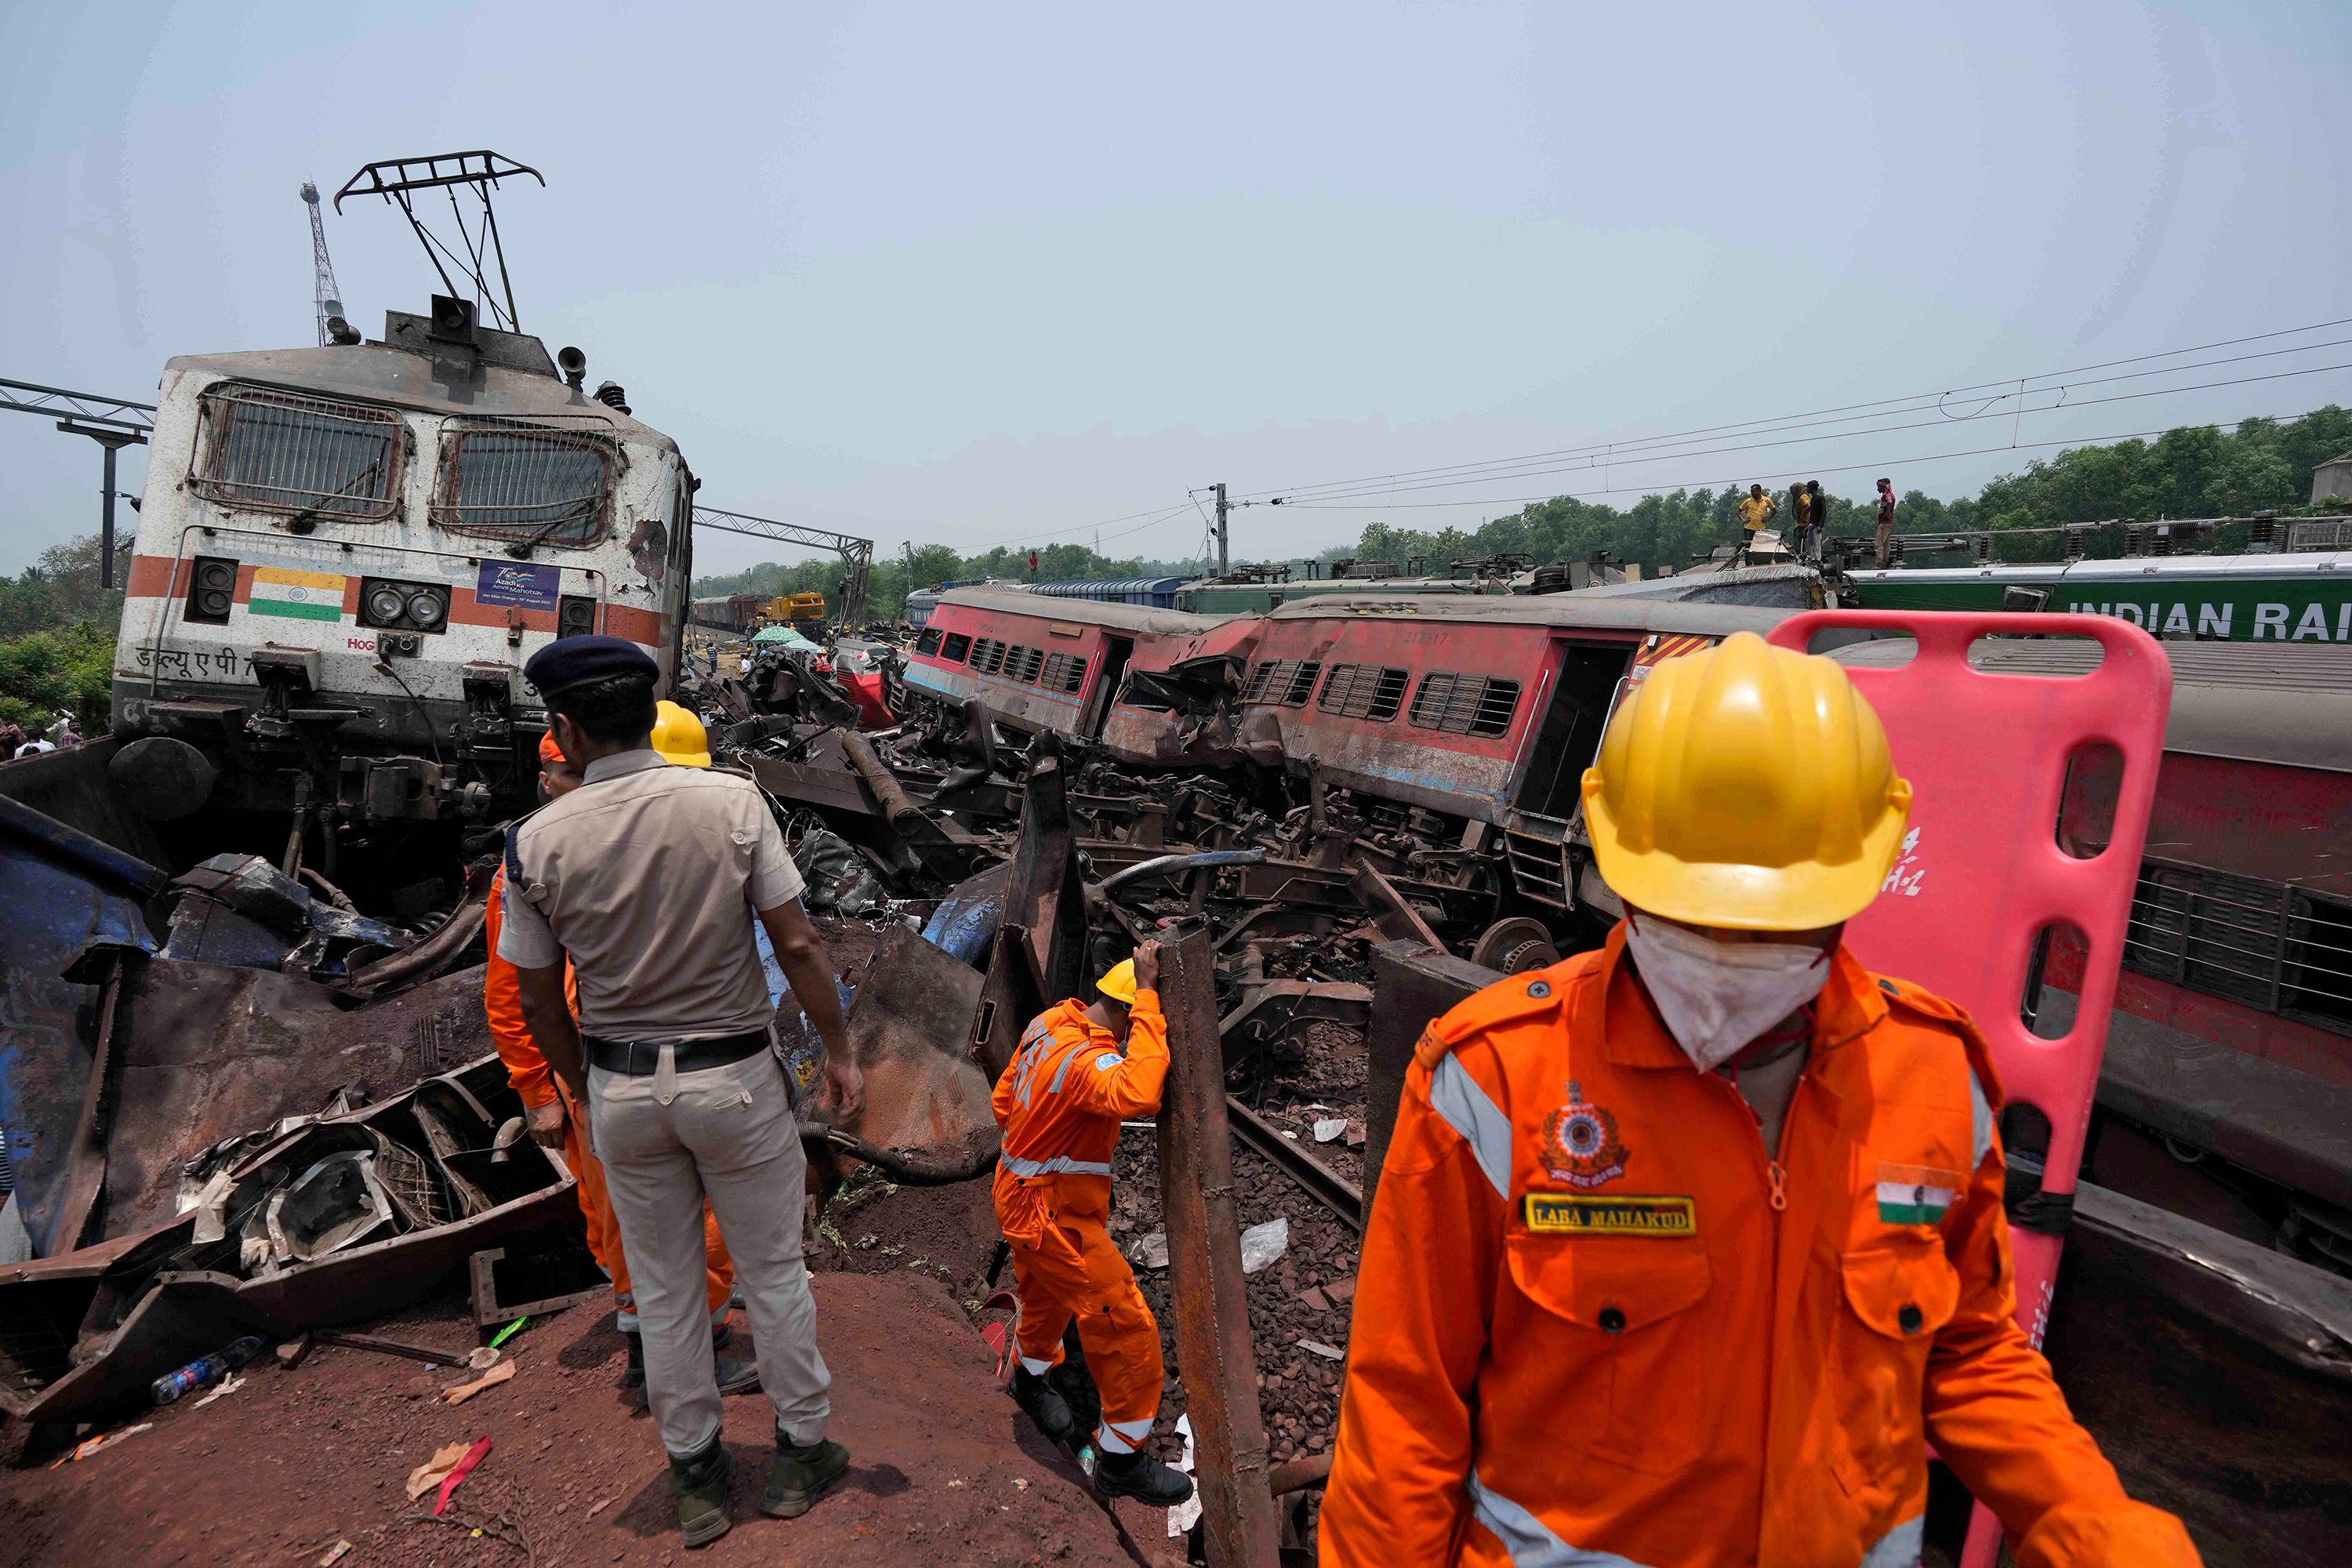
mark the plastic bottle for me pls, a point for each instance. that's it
(207, 1369)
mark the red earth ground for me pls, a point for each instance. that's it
(943, 1470)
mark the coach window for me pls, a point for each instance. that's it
(1286, 682)
(929, 643)
(1363, 691)
(954, 646)
(1465, 704)
(1064, 672)
(316, 456)
(1021, 663)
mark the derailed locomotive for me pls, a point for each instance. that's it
(346, 554)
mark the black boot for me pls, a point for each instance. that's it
(1141, 1477)
(1044, 1403)
(699, 1482)
(633, 1376)
(800, 1473)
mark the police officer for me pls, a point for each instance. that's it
(1684, 1249)
(643, 875)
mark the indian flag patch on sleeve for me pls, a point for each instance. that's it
(300, 596)
(1915, 1195)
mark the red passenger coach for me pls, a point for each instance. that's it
(1054, 664)
(1483, 711)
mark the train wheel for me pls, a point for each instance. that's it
(1515, 945)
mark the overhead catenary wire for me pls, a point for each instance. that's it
(1658, 487)
(1620, 457)
(1887, 407)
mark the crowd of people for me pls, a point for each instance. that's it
(16, 742)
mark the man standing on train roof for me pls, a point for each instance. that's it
(1885, 519)
(1686, 1248)
(1081, 1069)
(643, 875)
(1756, 509)
(554, 1120)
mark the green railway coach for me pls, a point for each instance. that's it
(2305, 597)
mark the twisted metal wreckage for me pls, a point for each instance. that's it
(198, 1152)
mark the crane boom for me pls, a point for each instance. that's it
(325, 294)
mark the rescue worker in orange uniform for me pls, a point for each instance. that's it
(1684, 1249)
(555, 1122)
(1082, 1068)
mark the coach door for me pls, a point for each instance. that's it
(1569, 736)
(1106, 683)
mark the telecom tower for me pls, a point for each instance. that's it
(330, 298)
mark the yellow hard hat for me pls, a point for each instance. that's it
(1118, 983)
(679, 736)
(1747, 786)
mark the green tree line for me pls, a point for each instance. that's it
(893, 577)
(56, 639)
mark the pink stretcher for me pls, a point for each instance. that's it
(1980, 873)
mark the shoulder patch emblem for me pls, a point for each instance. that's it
(1580, 1144)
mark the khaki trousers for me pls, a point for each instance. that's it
(669, 1140)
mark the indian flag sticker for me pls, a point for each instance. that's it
(1915, 1195)
(300, 596)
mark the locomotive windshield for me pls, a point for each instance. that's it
(277, 451)
(548, 486)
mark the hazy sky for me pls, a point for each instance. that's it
(982, 274)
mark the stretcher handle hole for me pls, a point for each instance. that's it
(2086, 803)
(2044, 655)
(2054, 965)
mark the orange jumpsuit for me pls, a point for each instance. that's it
(1059, 1104)
(1596, 1324)
(528, 1070)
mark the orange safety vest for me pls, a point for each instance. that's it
(1060, 1101)
(1596, 1324)
(527, 1069)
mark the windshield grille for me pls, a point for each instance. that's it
(280, 452)
(554, 486)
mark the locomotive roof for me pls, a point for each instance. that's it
(377, 371)
(1095, 612)
(2289, 703)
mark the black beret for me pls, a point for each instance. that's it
(575, 661)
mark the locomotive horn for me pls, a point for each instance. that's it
(574, 366)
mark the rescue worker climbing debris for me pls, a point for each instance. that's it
(1082, 1067)
(1684, 1249)
(553, 1119)
(643, 875)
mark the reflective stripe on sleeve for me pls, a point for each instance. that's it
(1455, 1095)
(1980, 1122)
(1527, 1538)
(1899, 1547)
(1059, 1166)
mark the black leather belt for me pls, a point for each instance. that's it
(639, 1058)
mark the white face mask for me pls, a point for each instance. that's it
(1717, 996)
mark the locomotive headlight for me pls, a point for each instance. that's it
(389, 605)
(212, 589)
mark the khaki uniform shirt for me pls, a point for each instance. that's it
(646, 875)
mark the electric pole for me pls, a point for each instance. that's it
(1223, 556)
(325, 297)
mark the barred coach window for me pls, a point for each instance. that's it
(1465, 704)
(275, 451)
